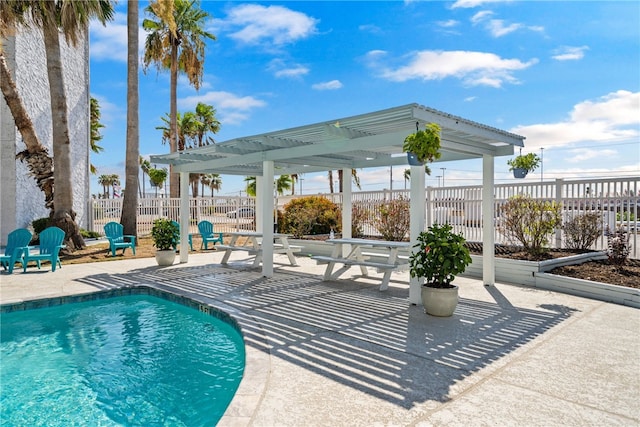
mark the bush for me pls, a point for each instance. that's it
(530, 222)
(359, 214)
(89, 234)
(394, 219)
(582, 231)
(618, 247)
(310, 215)
(40, 224)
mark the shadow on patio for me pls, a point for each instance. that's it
(351, 333)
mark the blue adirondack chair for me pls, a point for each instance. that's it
(175, 246)
(17, 244)
(208, 235)
(117, 239)
(51, 239)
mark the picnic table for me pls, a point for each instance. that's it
(391, 261)
(253, 245)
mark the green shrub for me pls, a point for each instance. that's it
(89, 234)
(359, 214)
(394, 220)
(582, 231)
(530, 222)
(618, 247)
(40, 224)
(310, 215)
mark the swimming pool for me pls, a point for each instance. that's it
(126, 360)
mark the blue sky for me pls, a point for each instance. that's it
(566, 75)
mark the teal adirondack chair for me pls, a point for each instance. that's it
(175, 246)
(208, 235)
(51, 239)
(115, 234)
(17, 244)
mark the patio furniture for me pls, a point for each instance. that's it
(208, 235)
(175, 246)
(115, 234)
(17, 244)
(253, 246)
(51, 239)
(355, 257)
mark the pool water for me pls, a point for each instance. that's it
(134, 360)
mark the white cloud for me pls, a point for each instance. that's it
(470, 99)
(448, 24)
(580, 155)
(370, 28)
(613, 117)
(331, 85)
(568, 53)
(231, 108)
(499, 27)
(473, 68)
(258, 24)
(109, 42)
(282, 70)
(474, 3)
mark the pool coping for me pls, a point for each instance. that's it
(257, 363)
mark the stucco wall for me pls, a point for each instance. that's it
(33, 87)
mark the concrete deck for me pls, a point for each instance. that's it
(345, 354)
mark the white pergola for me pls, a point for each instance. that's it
(363, 141)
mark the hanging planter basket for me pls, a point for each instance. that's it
(519, 172)
(412, 159)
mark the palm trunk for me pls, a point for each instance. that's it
(39, 163)
(174, 179)
(63, 213)
(129, 214)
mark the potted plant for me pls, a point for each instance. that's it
(165, 234)
(423, 145)
(438, 257)
(523, 164)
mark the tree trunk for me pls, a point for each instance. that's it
(129, 215)
(174, 178)
(36, 155)
(63, 215)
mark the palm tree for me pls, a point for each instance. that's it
(215, 182)
(129, 215)
(185, 130)
(294, 179)
(71, 19)
(157, 177)
(205, 121)
(283, 183)
(39, 162)
(354, 177)
(176, 40)
(95, 130)
(251, 185)
(145, 165)
(194, 180)
(106, 181)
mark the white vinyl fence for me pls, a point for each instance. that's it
(618, 201)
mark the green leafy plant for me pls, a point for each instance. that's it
(359, 214)
(393, 220)
(528, 162)
(530, 222)
(618, 247)
(582, 231)
(425, 144)
(165, 234)
(439, 256)
(310, 215)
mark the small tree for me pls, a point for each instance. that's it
(359, 214)
(530, 222)
(394, 220)
(618, 247)
(582, 231)
(310, 215)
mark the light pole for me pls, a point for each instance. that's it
(438, 177)
(443, 176)
(541, 164)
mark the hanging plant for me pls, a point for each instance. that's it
(521, 165)
(423, 145)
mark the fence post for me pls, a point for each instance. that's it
(559, 196)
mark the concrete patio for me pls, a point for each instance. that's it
(345, 354)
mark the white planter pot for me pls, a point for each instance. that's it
(165, 258)
(439, 302)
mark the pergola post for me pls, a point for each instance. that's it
(259, 208)
(416, 212)
(267, 217)
(185, 221)
(346, 207)
(488, 236)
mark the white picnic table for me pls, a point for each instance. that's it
(356, 257)
(253, 245)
